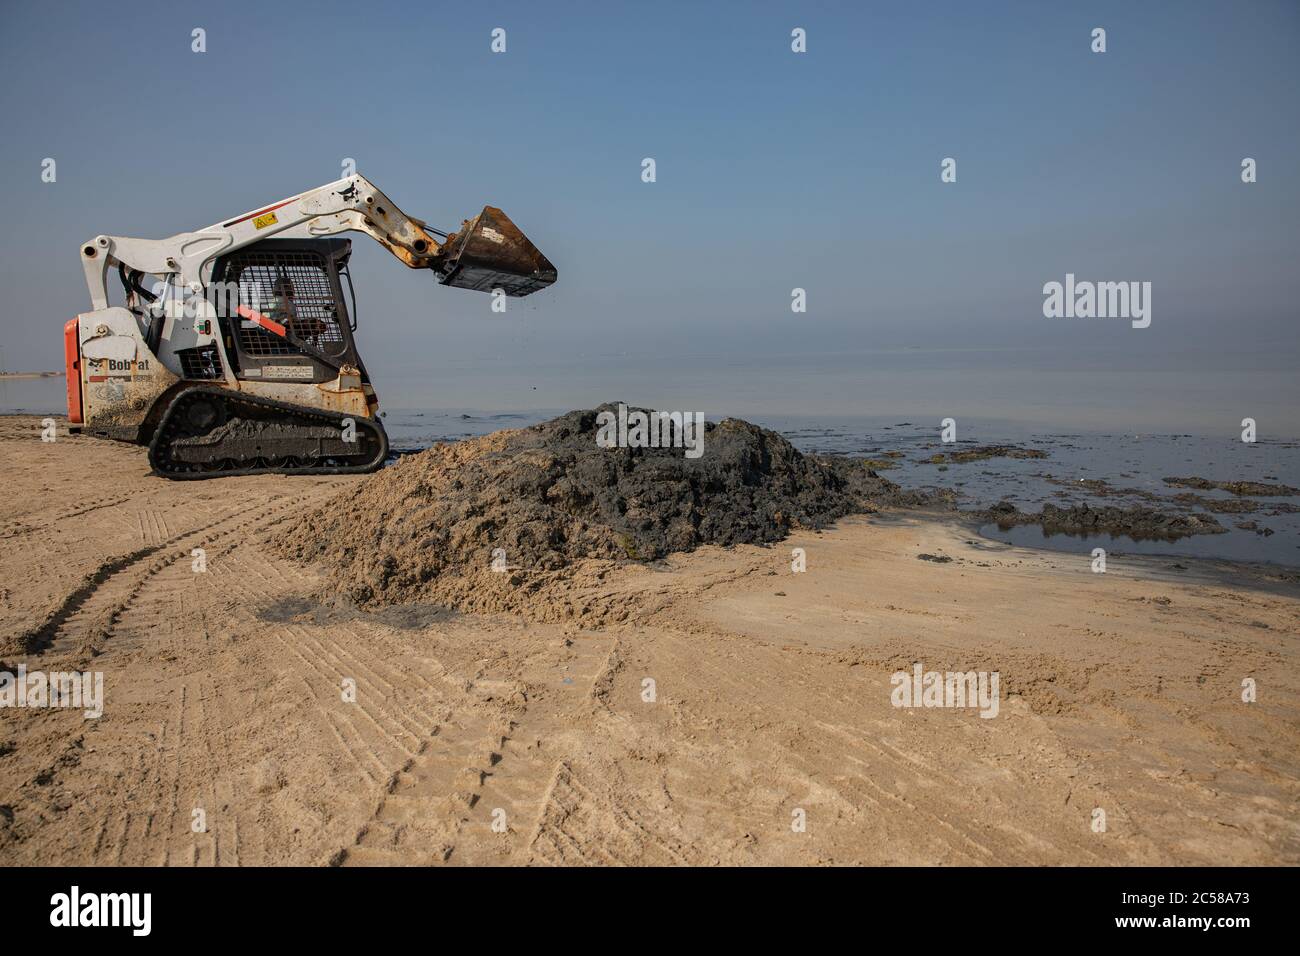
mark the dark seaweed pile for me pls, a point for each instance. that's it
(549, 495)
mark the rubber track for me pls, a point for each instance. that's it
(159, 449)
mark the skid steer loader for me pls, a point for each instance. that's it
(240, 359)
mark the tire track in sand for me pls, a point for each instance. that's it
(140, 810)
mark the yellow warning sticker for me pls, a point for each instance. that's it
(261, 222)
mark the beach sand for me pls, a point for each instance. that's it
(718, 709)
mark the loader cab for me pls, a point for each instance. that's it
(282, 311)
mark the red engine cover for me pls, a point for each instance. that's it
(72, 362)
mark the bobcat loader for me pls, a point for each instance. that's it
(240, 357)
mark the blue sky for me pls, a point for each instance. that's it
(775, 170)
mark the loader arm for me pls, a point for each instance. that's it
(349, 204)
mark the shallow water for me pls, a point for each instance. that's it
(1131, 461)
(1126, 462)
(33, 396)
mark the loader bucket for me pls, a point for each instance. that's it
(489, 252)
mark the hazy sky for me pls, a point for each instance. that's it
(775, 169)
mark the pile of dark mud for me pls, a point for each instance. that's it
(451, 523)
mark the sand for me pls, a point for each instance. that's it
(498, 737)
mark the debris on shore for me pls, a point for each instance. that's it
(1254, 489)
(1137, 523)
(984, 453)
(1234, 506)
(1226, 506)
